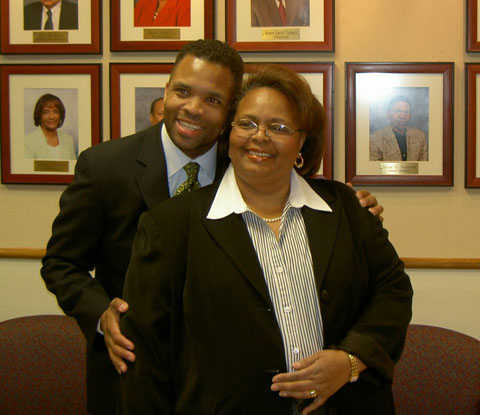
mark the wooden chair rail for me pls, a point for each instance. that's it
(434, 263)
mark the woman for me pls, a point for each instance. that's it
(47, 142)
(162, 13)
(266, 293)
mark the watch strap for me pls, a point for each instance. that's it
(354, 368)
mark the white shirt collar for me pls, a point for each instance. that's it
(176, 158)
(278, 3)
(228, 198)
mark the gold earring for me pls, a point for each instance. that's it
(299, 161)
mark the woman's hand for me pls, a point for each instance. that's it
(318, 376)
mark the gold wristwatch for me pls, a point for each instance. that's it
(354, 368)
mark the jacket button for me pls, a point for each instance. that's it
(324, 296)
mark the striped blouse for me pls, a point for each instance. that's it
(286, 263)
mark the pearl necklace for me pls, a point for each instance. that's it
(268, 220)
(271, 220)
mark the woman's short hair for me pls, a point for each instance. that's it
(311, 115)
(44, 100)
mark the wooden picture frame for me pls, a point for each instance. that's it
(129, 92)
(37, 100)
(130, 30)
(78, 31)
(320, 76)
(131, 99)
(399, 123)
(472, 146)
(473, 40)
(256, 26)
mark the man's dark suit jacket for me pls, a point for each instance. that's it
(207, 340)
(265, 13)
(32, 16)
(114, 183)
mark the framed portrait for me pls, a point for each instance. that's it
(320, 79)
(50, 26)
(49, 114)
(399, 123)
(270, 25)
(136, 96)
(473, 29)
(472, 148)
(148, 25)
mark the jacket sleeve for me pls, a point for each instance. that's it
(423, 147)
(72, 250)
(378, 334)
(153, 288)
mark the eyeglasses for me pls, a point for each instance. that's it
(274, 129)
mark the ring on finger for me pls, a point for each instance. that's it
(312, 393)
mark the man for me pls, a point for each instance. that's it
(156, 111)
(280, 13)
(398, 141)
(118, 180)
(51, 15)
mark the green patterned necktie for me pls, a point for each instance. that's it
(192, 179)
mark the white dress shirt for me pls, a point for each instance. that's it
(55, 15)
(176, 159)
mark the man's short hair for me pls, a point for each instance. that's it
(216, 52)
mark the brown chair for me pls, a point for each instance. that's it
(42, 366)
(438, 373)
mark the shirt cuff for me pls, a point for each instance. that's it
(99, 329)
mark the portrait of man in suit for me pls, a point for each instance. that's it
(50, 15)
(149, 106)
(399, 140)
(156, 111)
(280, 13)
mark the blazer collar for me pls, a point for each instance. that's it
(151, 172)
(232, 236)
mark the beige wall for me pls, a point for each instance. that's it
(423, 222)
(435, 303)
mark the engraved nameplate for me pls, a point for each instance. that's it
(50, 37)
(281, 34)
(399, 168)
(154, 34)
(50, 166)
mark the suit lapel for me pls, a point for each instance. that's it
(151, 172)
(38, 15)
(61, 22)
(322, 228)
(269, 12)
(232, 236)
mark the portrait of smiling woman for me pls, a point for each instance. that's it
(47, 141)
